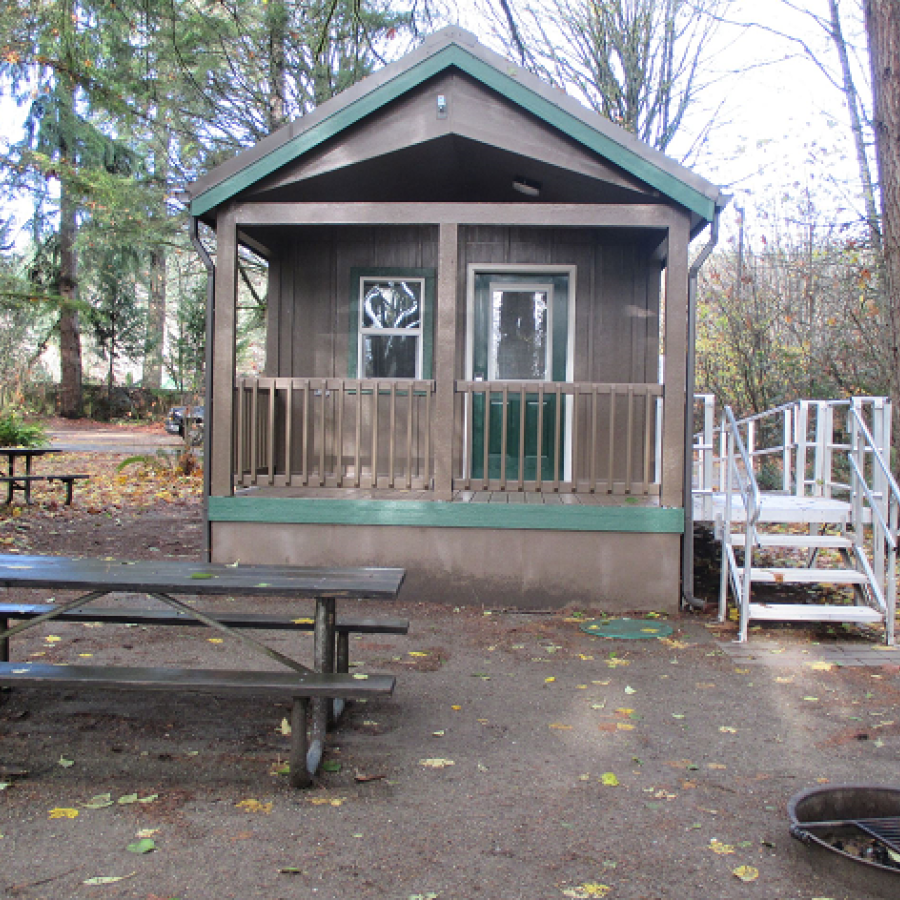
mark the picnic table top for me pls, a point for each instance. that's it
(189, 577)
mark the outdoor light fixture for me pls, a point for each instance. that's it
(526, 186)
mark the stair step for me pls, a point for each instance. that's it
(813, 612)
(797, 541)
(807, 576)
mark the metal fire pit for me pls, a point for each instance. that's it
(847, 821)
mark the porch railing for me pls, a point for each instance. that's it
(333, 432)
(536, 437)
(567, 437)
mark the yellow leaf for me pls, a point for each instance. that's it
(62, 812)
(328, 801)
(746, 873)
(285, 727)
(720, 848)
(624, 711)
(821, 666)
(560, 726)
(417, 653)
(549, 680)
(585, 656)
(303, 621)
(624, 726)
(587, 891)
(255, 806)
(615, 661)
(609, 779)
(52, 639)
(727, 729)
(580, 687)
(456, 707)
(436, 763)
(216, 640)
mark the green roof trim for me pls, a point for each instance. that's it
(505, 84)
(428, 514)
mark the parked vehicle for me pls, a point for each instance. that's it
(193, 415)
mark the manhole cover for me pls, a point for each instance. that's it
(629, 629)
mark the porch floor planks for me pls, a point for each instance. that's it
(469, 496)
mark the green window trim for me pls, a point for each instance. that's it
(357, 273)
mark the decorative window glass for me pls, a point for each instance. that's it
(390, 327)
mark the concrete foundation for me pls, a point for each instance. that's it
(528, 569)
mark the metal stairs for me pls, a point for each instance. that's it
(835, 485)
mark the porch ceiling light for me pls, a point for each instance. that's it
(526, 186)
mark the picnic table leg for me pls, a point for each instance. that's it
(300, 777)
(27, 482)
(323, 656)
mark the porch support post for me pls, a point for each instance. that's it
(673, 492)
(445, 360)
(221, 444)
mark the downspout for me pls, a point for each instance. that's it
(687, 544)
(208, 397)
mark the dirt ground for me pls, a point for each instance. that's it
(520, 757)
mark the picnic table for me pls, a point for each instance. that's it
(166, 580)
(23, 481)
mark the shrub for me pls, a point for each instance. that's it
(16, 432)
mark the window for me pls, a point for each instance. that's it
(390, 328)
(390, 313)
(519, 344)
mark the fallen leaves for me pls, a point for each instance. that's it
(587, 891)
(255, 806)
(746, 873)
(63, 812)
(108, 879)
(327, 801)
(609, 779)
(145, 845)
(436, 763)
(722, 849)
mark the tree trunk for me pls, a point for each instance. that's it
(70, 399)
(851, 97)
(156, 319)
(883, 31)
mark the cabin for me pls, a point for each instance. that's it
(468, 371)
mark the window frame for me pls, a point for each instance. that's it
(425, 349)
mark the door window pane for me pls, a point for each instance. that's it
(392, 304)
(519, 338)
(389, 356)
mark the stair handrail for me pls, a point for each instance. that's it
(885, 511)
(751, 495)
(877, 458)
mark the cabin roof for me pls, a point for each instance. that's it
(452, 49)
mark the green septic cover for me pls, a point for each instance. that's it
(630, 629)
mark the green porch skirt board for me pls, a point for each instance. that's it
(429, 514)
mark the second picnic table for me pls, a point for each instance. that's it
(163, 579)
(22, 481)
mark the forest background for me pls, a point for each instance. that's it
(110, 108)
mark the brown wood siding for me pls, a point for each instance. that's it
(617, 299)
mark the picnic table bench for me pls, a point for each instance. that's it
(322, 685)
